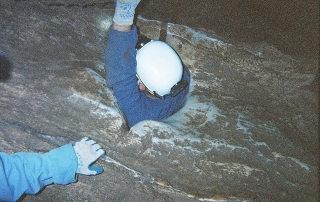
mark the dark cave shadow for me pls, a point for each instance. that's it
(5, 68)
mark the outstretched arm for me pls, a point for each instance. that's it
(28, 172)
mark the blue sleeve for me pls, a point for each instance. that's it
(28, 172)
(120, 64)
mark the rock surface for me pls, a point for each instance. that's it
(293, 26)
(248, 130)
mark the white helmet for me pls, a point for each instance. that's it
(158, 67)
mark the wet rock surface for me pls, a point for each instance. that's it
(248, 129)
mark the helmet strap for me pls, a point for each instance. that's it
(180, 86)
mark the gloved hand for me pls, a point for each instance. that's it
(87, 152)
(124, 12)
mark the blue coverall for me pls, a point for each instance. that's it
(120, 65)
(28, 172)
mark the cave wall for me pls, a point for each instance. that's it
(248, 130)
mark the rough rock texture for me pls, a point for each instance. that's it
(293, 26)
(248, 130)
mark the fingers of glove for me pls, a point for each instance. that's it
(97, 154)
(88, 148)
(95, 147)
(90, 142)
(96, 151)
(100, 152)
(128, 5)
(84, 139)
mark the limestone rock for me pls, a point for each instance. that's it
(247, 131)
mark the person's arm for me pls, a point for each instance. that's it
(28, 172)
(120, 64)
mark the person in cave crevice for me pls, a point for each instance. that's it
(150, 83)
(26, 172)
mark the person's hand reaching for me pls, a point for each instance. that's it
(124, 11)
(87, 152)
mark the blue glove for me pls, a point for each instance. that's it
(87, 152)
